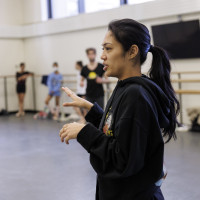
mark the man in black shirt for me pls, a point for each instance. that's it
(94, 73)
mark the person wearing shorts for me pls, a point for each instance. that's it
(21, 77)
(54, 83)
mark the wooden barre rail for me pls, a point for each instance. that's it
(177, 81)
(71, 78)
(187, 91)
(185, 80)
(37, 75)
(186, 72)
(173, 80)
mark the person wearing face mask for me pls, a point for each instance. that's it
(54, 84)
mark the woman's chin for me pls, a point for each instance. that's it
(108, 73)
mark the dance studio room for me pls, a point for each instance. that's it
(99, 99)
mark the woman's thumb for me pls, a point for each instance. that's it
(67, 104)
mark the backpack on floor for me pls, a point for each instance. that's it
(195, 125)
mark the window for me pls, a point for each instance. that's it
(138, 1)
(44, 10)
(96, 5)
(64, 8)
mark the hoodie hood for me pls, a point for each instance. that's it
(161, 100)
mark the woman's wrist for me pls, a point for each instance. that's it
(88, 105)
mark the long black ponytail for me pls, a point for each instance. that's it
(160, 73)
(129, 32)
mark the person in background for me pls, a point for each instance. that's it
(80, 91)
(54, 83)
(94, 73)
(21, 77)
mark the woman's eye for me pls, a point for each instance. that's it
(106, 48)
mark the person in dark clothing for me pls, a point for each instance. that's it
(21, 77)
(94, 73)
(126, 141)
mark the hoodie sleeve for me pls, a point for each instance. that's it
(122, 155)
(94, 115)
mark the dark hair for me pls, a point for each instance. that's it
(22, 64)
(129, 32)
(55, 63)
(80, 63)
(90, 49)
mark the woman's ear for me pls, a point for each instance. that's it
(133, 51)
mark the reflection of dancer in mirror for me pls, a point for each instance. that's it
(21, 77)
(54, 83)
(126, 142)
(80, 91)
(94, 74)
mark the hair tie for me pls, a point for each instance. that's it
(151, 48)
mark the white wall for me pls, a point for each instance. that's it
(66, 49)
(11, 12)
(32, 11)
(11, 47)
(65, 40)
(11, 54)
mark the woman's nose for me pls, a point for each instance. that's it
(103, 57)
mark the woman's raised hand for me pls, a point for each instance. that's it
(76, 101)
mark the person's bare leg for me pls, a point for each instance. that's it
(56, 114)
(49, 97)
(22, 95)
(18, 113)
(80, 114)
(57, 100)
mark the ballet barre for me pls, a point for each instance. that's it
(187, 91)
(70, 81)
(185, 80)
(180, 91)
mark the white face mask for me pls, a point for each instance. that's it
(55, 69)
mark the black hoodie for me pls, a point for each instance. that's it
(125, 142)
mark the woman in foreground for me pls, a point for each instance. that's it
(125, 142)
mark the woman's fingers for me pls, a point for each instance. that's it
(70, 131)
(61, 132)
(73, 96)
(68, 92)
(64, 128)
(67, 139)
(64, 135)
(68, 104)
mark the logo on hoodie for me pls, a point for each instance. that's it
(108, 124)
